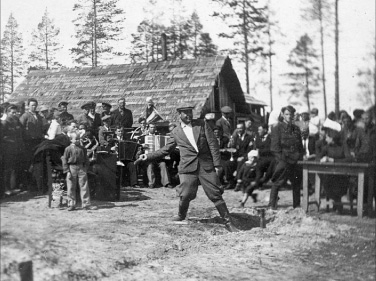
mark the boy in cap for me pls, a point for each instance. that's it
(200, 160)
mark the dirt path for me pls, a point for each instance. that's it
(133, 239)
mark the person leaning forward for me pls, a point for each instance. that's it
(200, 159)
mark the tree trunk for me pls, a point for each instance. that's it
(322, 58)
(336, 73)
(245, 47)
(270, 70)
(95, 61)
(46, 47)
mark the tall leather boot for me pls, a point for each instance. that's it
(225, 214)
(183, 209)
(295, 197)
(273, 198)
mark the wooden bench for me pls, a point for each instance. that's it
(349, 169)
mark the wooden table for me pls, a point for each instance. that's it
(337, 168)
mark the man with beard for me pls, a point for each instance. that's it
(200, 160)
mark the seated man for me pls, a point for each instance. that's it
(265, 160)
(124, 164)
(243, 143)
(165, 180)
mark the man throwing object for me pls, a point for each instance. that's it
(199, 161)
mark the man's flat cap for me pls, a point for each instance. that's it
(226, 109)
(62, 103)
(90, 104)
(106, 104)
(185, 108)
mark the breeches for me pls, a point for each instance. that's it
(286, 171)
(209, 181)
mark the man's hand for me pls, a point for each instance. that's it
(142, 157)
(218, 169)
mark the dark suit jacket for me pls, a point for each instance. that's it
(208, 155)
(125, 120)
(242, 146)
(225, 126)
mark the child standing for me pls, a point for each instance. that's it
(75, 165)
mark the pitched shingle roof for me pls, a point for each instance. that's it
(169, 83)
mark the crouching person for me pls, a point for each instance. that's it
(75, 165)
(247, 177)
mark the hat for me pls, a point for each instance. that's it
(330, 124)
(106, 104)
(209, 116)
(226, 109)
(90, 104)
(253, 153)
(106, 117)
(149, 100)
(314, 111)
(62, 103)
(185, 108)
(43, 108)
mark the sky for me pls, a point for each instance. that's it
(357, 37)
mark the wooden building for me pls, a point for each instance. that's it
(205, 83)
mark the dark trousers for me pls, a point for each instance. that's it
(209, 181)
(285, 171)
(262, 167)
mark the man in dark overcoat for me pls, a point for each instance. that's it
(225, 123)
(287, 147)
(122, 116)
(200, 159)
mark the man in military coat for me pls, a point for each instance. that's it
(287, 147)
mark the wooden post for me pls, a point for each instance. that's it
(371, 182)
(26, 270)
(360, 194)
(305, 189)
(317, 190)
(49, 179)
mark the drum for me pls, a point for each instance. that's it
(128, 150)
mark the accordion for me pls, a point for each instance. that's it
(128, 150)
(155, 142)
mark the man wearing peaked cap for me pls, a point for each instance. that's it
(200, 161)
(65, 117)
(90, 117)
(224, 122)
(106, 109)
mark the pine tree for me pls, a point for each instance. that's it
(99, 24)
(196, 32)
(206, 48)
(367, 79)
(12, 52)
(320, 11)
(45, 43)
(304, 77)
(247, 22)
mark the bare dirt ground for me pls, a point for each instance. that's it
(134, 239)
